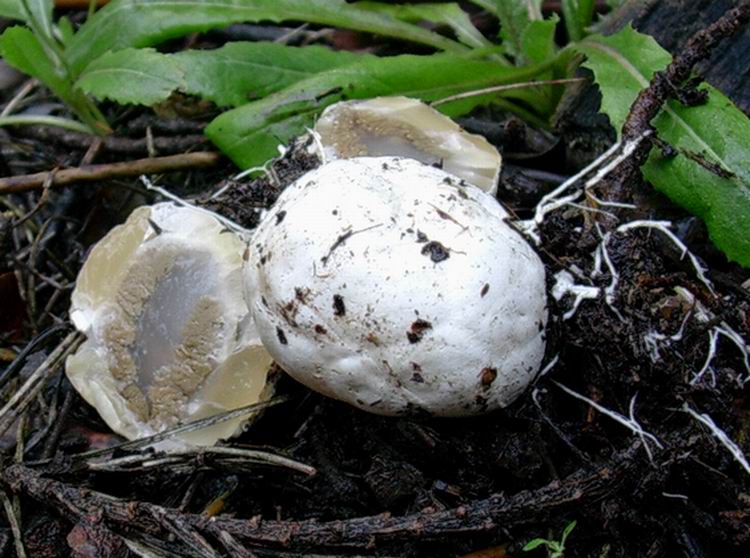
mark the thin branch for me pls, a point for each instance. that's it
(90, 173)
(66, 123)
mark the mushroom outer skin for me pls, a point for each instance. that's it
(169, 337)
(398, 288)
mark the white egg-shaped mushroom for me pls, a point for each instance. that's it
(396, 287)
(405, 127)
(169, 337)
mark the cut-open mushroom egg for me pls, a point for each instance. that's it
(169, 338)
(404, 127)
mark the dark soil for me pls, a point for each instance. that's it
(399, 486)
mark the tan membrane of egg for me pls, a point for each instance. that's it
(193, 384)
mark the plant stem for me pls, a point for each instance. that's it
(45, 121)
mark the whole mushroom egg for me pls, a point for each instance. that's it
(397, 287)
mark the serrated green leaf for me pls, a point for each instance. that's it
(449, 14)
(577, 15)
(538, 40)
(229, 76)
(623, 64)
(133, 76)
(239, 72)
(250, 134)
(141, 23)
(538, 46)
(514, 16)
(717, 131)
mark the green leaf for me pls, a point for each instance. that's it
(141, 23)
(23, 50)
(535, 543)
(113, 76)
(250, 134)
(449, 14)
(12, 9)
(720, 133)
(228, 76)
(567, 531)
(538, 40)
(717, 131)
(65, 30)
(39, 15)
(514, 16)
(578, 15)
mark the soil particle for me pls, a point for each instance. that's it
(487, 376)
(417, 330)
(339, 309)
(281, 335)
(436, 251)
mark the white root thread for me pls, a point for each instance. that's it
(713, 340)
(555, 199)
(720, 435)
(655, 340)
(565, 284)
(663, 226)
(628, 422)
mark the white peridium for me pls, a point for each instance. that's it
(393, 286)
(169, 338)
(405, 127)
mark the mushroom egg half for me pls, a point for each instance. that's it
(169, 337)
(398, 288)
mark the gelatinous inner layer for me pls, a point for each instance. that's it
(165, 328)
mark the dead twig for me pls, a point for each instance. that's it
(193, 459)
(88, 173)
(114, 144)
(29, 390)
(15, 527)
(583, 487)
